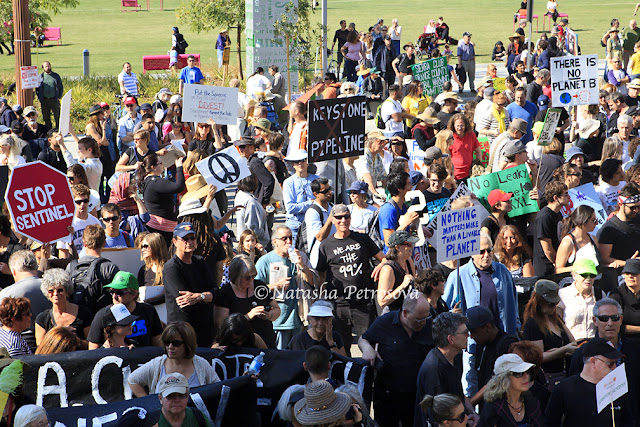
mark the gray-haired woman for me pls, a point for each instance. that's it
(56, 285)
(31, 416)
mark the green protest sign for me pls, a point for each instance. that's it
(513, 180)
(432, 73)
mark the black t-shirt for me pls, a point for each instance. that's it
(526, 75)
(532, 332)
(493, 227)
(135, 156)
(591, 147)
(623, 235)
(13, 246)
(631, 102)
(303, 341)
(349, 262)
(53, 159)
(405, 63)
(207, 146)
(487, 355)
(341, 36)
(545, 227)
(441, 306)
(160, 195)
(630, 305)
(83, 319)
(145, 328)
(178, 276)
(228, 299)
(444, 118)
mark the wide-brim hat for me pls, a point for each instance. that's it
(408, 45)
(516, 36)
(363, 71)
(197, 188)
(297, 155)
(452, 96)
(191, 207)
(588, 127)
(635, 83)
(268, 95)
(428, 116)
(321, 404)
(95, 109)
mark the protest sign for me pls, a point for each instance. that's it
(613, 386)
(549, 128)
(432, 73)
(65, 113)
(224, 168)
(458, 233)
(40, 202)
(416, 155)
(485, 150)
(499, 84)
(29, 77)
(574, 80)
(201, 103)
(174, 151)
(100, 376)
(585, 195)
(336, 128)
(513, 180)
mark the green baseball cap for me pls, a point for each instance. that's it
(123, 280)
(583, 265)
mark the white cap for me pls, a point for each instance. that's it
(173, 383)
(321, 309)
(511, 363)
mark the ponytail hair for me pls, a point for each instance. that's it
(442, 406)
(578, 218)
(143, 170)
(89, 142)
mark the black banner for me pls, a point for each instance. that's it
(100, 376)
(336, 128)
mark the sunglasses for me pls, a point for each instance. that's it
(460, 419)
(574, 174)
(119, 292)
(144, 246)
(110, 219)
(485, 251)
(175, 343)
(59, 291)
(588, 276)
(298, 162)
(396, 143)
(634, 208)
(204, 125)
(71, 178)
(341, 217)
(521, 374)
(81, 201)
(325, 191)
(285, 238)
(605, 318)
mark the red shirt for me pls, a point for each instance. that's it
(462, 151)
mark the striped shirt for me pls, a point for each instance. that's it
(14, 343)
(130, 82)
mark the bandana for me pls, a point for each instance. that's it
(628, 200)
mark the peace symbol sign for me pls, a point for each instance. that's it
(230, 168)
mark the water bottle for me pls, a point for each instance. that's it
(256, 364)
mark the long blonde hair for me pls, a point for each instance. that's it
(442, 142)
(611, 148)
(159, 255)
(193, 157)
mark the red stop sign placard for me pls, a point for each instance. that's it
(40, 202)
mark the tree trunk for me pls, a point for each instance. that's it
(239, 52)
(22, 47)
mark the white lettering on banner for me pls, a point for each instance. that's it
(59, 389)
(574, 80)
(458, 233)
(350, 143)
(95, 378)
(202, 103)
(224, 168)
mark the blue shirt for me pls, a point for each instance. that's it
(289, 318)
(126, 125)
(191, 75)
(526, 113)
(298, 195)
(388, 218)
(466, 52)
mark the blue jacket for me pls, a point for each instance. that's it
(507, 299)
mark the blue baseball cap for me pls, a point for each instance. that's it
(416, 177)
(183, 229)
(572, 152)
(543, 102)
(359, 187)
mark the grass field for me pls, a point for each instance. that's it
(113, 37)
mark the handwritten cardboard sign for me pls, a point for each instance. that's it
(202, 103)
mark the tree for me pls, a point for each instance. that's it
(38, 16)
(206, 15)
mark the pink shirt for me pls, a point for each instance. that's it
(353, 50)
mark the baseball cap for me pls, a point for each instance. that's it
(17, 126)
(600, 347)
(4, 129)
(30, 109)
(547, 290)
(632, 266)
(478, 316)
(543, 102)
(173, 383)
(415, 177)
(489, 92)
(119, 315)
(183, 229)
(17, 108)
(263, 124)
(104, 105)
(145, 106)
(130, 100)
(399, 237)
(339, 209)
(175, 99)
(245, 140)
(123, 280)
(434, 153)
(574, 151)
(3, 99)
(537, 127)
(583, 265)
(498, 195)
(321, 309)
(514, 147)
(359, 187)
(466, 33)
(511, 363)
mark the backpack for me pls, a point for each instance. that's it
(301, 242)
(373, 230)
(87, 284)
(272, 116)
(181, 43)
(380, 124)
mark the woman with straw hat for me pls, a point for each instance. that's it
(514, 50)
(321, 406)
(423, 131)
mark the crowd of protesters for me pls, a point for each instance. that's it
(321, 257)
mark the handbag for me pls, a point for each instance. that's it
(552, 379)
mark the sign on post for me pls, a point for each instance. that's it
(574, 80)
(224, 168)
(65, 113)
(336, 128)
(432, 73)
(458, 233)
(613, 386)
(549, 128)
(29, 77)
(513, 180)
(40, 202)
(201, 103)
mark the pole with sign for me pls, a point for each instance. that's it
(549, 128)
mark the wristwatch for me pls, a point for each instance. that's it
(202, 297)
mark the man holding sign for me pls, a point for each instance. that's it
(574, 399)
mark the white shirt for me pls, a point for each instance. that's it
(481, 109)
(577, 312)
(257, 84)
(78, 230)
(395, 33)
(609, 195)
(294, 138)
(389, 107)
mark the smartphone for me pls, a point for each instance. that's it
(267, 308)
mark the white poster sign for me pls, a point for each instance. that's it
(65, 113)
(224, 168)
(586, 195)
(574, 80)
(549, 128)
(416, 155)
(611, 387)
(201, 103)
(458, 233)
(29, 77)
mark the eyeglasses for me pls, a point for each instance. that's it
(175, 343)
(325, 191)
(605, 318)
(110, 219)
(285, 238)
(610, 365)
(486, 251)
(588, 276)
(341, 217)
(460, 419)
(119, 292)
(58, 291)
(81, 201)
(501, 104)
(144, 246)
(633, 208)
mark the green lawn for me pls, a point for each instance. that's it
(113, 37)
